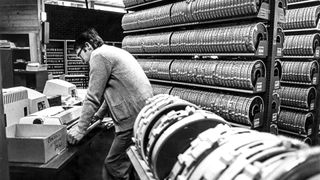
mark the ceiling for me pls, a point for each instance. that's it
(113, 3)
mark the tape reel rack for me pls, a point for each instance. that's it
(184, 48)
(299, 93)
(197, 50)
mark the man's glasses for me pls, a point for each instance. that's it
(79, 54)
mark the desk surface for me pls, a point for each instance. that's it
(61, 160)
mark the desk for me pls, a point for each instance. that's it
(62, 166)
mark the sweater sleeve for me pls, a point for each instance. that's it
(100, 71)
(103, 110)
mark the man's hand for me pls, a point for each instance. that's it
(75, 135)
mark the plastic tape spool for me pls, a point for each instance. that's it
(250, 107)
(302, 99)
(278, 69)
(253, 71)
(151, 115)
(160, 42)
(160, 89)
(302, 18)
(313, 70)
(306, 140)
(311, 42)
(257, 33)
(284, 95)
(222, 156)
(244, 112)
(189, 11)
(311, 96)
(283, 121)
(233, 157)
(255, 152)
(307, 71)
(150, 102)
(287, 45)
(175, 92)
(205, 143)
(265, 161)
(276, 102)
(302, 124)
(273, 163)
(150, 43)
(128, 3)
(159, 66)
(162, 124)
(258, 70)
(175, 69)
(315, 177)
(302, 164)
(176, 139)
(280, 36)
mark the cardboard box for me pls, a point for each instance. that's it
(35, 143)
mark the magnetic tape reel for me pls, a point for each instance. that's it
(278, 69)
(280, 36)
(160, 89)
(244, 109)
(179, 141)
(162, 124)
(302, 164)
(298, 97)
(183, 42)
(230, 151)
(305, 71)
(177, 137)
(313, 72)
(257, 151)
(291, 46)
(298, 122)
(128, 3)
(306, 140)
(302, 18)
(175, 69)
(154, 109)
(276, 102)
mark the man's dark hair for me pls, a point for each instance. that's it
(91, 36)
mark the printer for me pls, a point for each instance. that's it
(58, 115)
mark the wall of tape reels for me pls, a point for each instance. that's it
(175, 139)
(217, 54)
(299, 93)
(253, 63)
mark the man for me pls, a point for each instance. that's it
(118, 84)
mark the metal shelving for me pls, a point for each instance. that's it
(267, 50)
(301, 6)
(261, 86)
(262, 116)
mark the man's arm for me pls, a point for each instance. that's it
(102, 111)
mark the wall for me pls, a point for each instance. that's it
(20, 16)
(68, 22)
